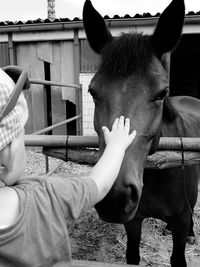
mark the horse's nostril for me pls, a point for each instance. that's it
(133, 199)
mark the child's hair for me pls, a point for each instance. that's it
(13, 123)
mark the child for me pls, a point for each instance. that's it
(35, 213)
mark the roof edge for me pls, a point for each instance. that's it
(71, 25)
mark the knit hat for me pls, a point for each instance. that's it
(13, 123)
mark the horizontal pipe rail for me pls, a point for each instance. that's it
(78, 263)
(166, 143)
(44, 82)
(61, 140)
(174, 143)
(47, 129)
(168, 155)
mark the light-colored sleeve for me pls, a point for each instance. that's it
(75, 195)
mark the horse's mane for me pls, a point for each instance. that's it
(127, 53)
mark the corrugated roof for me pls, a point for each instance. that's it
(76, 19)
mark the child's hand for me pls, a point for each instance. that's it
(105, 172)
(119, 135)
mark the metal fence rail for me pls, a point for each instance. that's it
(75, 148)
(166, 143)
(47, 129)
(53, 83)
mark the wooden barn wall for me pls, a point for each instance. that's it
(88, 60)
(27, 57)
(4, 55)
(62, 69)
(32, 56)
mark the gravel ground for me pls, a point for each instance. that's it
(93, 239)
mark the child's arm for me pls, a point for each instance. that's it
(105, 172)
(13, 160)
(13, 163)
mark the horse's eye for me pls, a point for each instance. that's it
(162, 95)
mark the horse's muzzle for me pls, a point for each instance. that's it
(119, 207)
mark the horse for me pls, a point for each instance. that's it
(133, 80)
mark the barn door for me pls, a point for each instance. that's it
(27, 57)
(50, 61)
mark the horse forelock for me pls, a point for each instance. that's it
(128, 53)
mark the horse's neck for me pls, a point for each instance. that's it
(186, 123)
(175, 128)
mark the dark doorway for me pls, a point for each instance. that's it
(47, 76)
(185, 67)
(71, 112)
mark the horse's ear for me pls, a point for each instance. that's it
(97, 33)
(169, 27)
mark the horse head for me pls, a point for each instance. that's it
(131, 80)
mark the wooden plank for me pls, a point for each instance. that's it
(4, 55)
(171, 159)
(78, 263)
(80, 155)
(37, 91)
(22, 55)
(58, 106)
(27, 58)
(26, 54)
(67, 70)
(76, 79)
(159, 160)
(80, 109)
(89, 59)
(44, 51)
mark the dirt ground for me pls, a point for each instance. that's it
(93, 239)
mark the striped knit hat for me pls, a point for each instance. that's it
(13, 123)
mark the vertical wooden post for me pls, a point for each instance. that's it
(80, 92)
(12, 57)
(76, 80)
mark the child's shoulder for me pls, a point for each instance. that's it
(10, 207)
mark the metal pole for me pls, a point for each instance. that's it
(44, 82)
(47, 129)
(166, 143)
(11, 50)
(61, 140)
